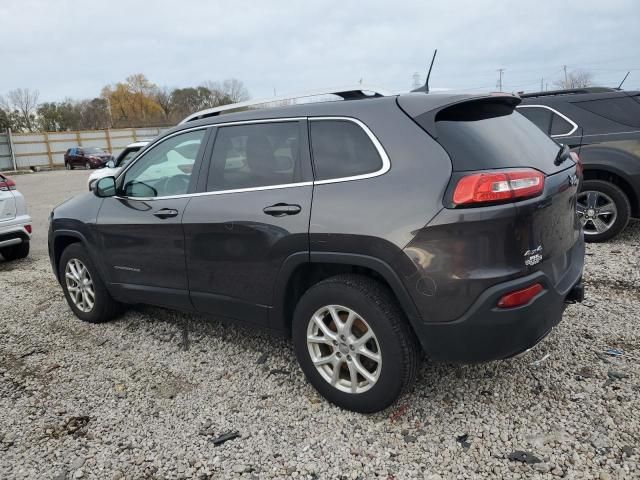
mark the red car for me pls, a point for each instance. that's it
(86, 157)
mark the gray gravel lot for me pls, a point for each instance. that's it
(137, 398)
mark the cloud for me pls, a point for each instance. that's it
(72, 48)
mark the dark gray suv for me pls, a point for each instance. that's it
(371, 230)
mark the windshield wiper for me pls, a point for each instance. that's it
(562, 155)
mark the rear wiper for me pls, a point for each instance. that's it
(562, 155)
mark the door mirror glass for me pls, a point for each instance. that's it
(111, 164)
(105, 187)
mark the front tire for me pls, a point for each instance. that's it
(604, 210)
(87, 166)
(68, 166)
(83, 288)
(354, 344)
(15, 252)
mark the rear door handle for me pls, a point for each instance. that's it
(282, 209)
(166, 213)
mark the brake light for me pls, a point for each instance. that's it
(520, 297)
(576, 158)
(7, 184)
(28, 229)
(498, 186)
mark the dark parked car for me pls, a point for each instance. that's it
(603, 126)
(370, 229)
(86, 157)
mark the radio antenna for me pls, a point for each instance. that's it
(625, 77)
(426, 83)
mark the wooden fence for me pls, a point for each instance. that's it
(47, 149)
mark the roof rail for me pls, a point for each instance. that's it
(569, 91)
(351, 92)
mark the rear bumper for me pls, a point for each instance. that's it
(13, 232)
(487, 332)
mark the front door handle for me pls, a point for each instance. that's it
(282, 209)
(166, 213)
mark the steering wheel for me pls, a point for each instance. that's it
(177, 184)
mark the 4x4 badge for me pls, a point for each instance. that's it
(533, 256)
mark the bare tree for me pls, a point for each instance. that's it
(162, 96)
(235, 90)
(576, 79)
(24, 102)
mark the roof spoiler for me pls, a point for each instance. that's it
(428, 118)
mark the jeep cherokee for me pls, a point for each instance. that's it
(371, 230)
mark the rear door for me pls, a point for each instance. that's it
(252, 214)
(7, 201)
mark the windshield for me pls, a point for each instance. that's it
(127, 156)
(90, 150)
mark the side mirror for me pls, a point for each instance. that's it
(105, 187)
(111, 164)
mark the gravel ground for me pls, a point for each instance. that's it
(139, 398)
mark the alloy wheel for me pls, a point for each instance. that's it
(597, 211)
(344, 349)
(80, 285)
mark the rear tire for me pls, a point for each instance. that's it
(392, 343)
(593, 198)
(96, 307)
(15, 252)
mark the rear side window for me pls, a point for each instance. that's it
(258, 155)
(342, 149)
(481, 135)
(547, 120)
(541, 117)
(559, 126)
(623, 110)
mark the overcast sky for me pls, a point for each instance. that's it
(72, 48)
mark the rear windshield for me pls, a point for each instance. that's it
(484, 135)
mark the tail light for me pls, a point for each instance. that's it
(498, 186)
(28, 229)
(576, 158)
(7, 184)
(520, 297)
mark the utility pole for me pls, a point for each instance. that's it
(500, 70)
(541, 84)
(566, 81)
(416, 80)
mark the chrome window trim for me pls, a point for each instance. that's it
(573, 124)
(386, 163)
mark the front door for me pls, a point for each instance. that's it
(140, 229)
(253, 215)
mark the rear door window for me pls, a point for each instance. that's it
(342, 149)
(255, 155)
(622, 110)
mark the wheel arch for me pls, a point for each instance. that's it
(301, 271)
(614, 165)
(614, 176)
(61, 240)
